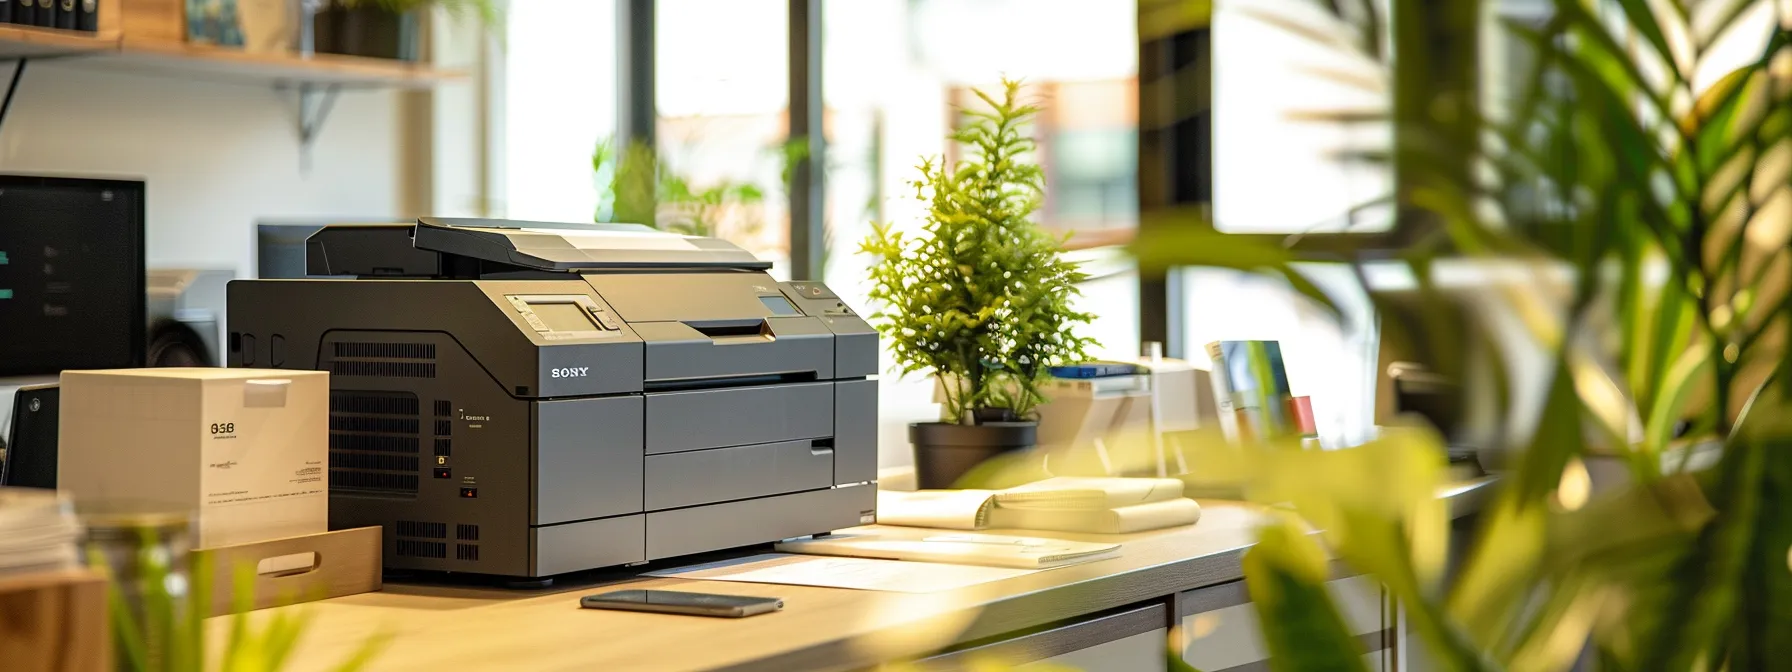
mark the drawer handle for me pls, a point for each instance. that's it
(821, 447)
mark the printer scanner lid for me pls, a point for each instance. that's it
(555, 246)
(433, 246)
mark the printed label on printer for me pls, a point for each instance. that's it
(572, 372)
(262, 454)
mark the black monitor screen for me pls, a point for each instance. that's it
(71, 274)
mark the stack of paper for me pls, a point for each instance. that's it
(965, 549)
(1064, 504)
(38, 531)
(1085, 493)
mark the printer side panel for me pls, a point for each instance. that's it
(435, 387)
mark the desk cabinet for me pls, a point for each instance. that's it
(1129, 641)
(1220, 631)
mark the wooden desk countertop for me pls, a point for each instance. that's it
(461, 628)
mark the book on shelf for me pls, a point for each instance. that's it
(24, 12)
(45, 14)
(87, 16)
(66, 16)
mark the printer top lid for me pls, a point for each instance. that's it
(436, 247)
(553, 246)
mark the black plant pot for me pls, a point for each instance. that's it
(945, 452)
(364, 31)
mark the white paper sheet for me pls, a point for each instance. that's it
(856, 573)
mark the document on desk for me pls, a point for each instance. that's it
(895, 576)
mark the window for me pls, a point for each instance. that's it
(722, 78)
(559, 88)
(894, 72)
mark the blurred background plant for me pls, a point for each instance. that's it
(1645, 211)
(638, 187)
(159, 594)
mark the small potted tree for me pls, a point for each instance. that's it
(981, 300)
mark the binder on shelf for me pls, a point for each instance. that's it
(24, 12)
(46, 13)
(88, 18)
(6, 11)
(65, 14)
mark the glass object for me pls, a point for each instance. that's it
(144, 551)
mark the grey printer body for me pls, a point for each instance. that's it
(527, 399)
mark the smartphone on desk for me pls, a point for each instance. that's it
(674, 602)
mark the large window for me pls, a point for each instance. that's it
(559, 87)
(722, 80)
(1278, 166)
(896, 71)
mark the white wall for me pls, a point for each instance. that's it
(216, 156)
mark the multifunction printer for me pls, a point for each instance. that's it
(527, 399)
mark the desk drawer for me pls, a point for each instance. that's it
(725, 474)
(1220, 624)
(1129, 641)
(701, 419)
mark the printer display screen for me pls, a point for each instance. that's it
(563, 316)
(779, 305)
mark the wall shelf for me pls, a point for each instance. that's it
(203, 62)
(27, 42)
(316, 79)
(226, 64)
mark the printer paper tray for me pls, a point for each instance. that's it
(720, 418)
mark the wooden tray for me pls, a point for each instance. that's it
(54, 621)
(342, 562)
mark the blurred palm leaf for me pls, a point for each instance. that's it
(1668, 204)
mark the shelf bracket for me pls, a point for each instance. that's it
(315, 104)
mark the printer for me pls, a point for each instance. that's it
(526, 399)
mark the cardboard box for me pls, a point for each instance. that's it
(245, 448)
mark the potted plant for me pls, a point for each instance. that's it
(382, 28)
(982, 299)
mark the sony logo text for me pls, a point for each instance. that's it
(572, 372)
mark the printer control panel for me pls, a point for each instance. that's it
(815, 299)
(558, 317)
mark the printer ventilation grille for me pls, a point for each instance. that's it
(413, 528)
(374, 442)
(422, 549)
(383, 360)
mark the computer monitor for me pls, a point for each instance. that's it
(280, 244)
(71, 274)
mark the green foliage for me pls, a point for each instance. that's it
(1664, 203)
(639, 188)
(982, 300)
(158, 620)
